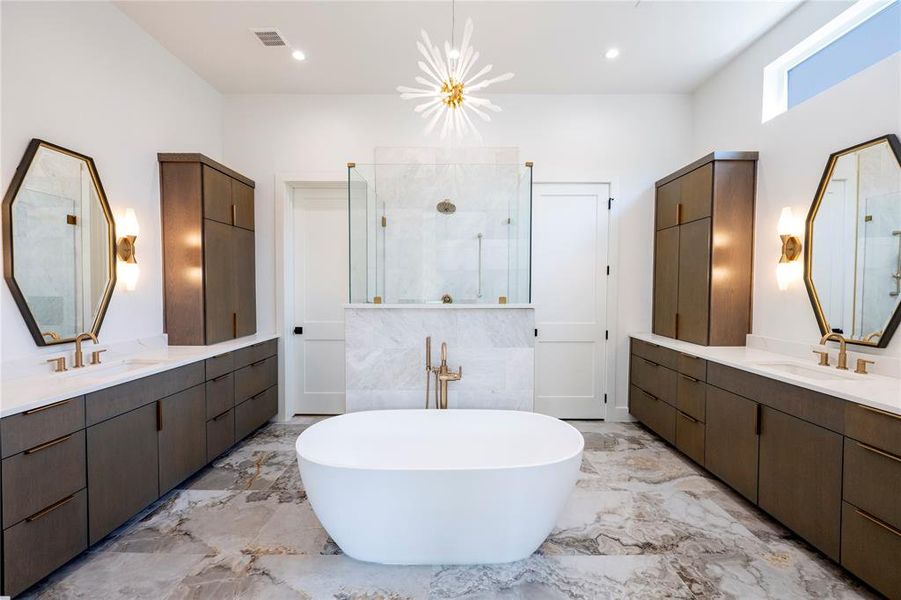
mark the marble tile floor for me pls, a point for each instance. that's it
(643, 522)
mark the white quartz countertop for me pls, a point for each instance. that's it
(438, 306)
(21, 393)
(876, 391)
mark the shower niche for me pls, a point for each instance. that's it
(457, 232)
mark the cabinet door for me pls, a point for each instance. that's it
(217, 195)
(694, 282)
(666, 281)
(245, 292)
(123, 469)
(731, 441)
(182, 436)
(801, 478)
(219, 279)
(668, 204)
(242, 198)
(696, 194)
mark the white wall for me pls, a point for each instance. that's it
(793, 150)
(628, 140)
(86, 77)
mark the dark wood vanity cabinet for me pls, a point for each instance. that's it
(702, 289)
(828, 469)
(75, 470)
(209, 258)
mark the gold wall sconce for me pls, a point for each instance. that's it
(127, 269)
(789, 267)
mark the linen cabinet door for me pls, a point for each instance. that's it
(801, 478)
(668, 204)
(242, 199)
(219, 279)
(182, 436)
(731, 440)
(666, 281)
(244, 282)
(693, 306)
(123, 469)
(217, 195)
(696, 195)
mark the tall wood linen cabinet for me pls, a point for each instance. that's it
(703, 249)
(208, 250)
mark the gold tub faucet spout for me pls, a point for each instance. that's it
(444, 376)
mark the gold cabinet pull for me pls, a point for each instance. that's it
(49, 509)
(222, 416)
(676, 324)
(259, 362)
(49, 444)
(757, 418)
(880, 412)
(234, 325)
(691, 379)
(159, 415)
(879, 522)
(234, 214)
(684, 416)
(47, 407)
(220, 378)
(678, 213)
(878, 451)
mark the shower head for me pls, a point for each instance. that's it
(446, 207)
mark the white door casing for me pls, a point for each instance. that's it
(569, 291)
(320, 292)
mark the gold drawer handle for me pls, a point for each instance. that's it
(49, 509)
(222, 416)
(880, 412)
(259, 362)
(49, 444)
(220, 378)
(692, 419)
(649, 363)
(873, 519)
(48, 407)
(879, 452)
(691, 379)
(691, 356)
(654, 398)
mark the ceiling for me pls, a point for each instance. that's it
(370, 47)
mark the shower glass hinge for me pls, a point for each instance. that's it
(384, 221)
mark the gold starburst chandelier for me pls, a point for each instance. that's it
(447, 89)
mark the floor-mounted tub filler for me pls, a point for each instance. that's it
(439, 487)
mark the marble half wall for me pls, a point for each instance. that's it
(385, 355)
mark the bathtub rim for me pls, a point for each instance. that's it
(534, 465)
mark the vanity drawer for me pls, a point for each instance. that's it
(690, 437)
(254, 353)
(44, 542)
(872, 481)
(813, 407)
(220, 434)
(659, 416)
(655, 354)
(691, 396)
(111, 402)
(219, 365)
(874, 427)
(37, 426)
(220, 395)
(655, 379)
(255, 412)
(693, 366)
(255, 378)
(870, 550)
(40, 476)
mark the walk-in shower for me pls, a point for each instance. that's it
(427, 233)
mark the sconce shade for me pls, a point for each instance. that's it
(128, 226)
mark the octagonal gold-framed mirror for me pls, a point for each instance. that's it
(58, 243)
(852, 256)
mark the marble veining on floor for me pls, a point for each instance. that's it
(643, 522)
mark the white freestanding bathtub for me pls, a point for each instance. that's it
(439, 486)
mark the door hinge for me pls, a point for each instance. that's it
(608, 269)
(298, 331)
(536, 332)
(606, 334)
(384, 221)
(609, 203)
(605, 398)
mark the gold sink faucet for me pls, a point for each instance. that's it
(79, 357)
(842, 349)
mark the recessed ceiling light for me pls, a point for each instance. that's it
(611, 53)
(298, 55)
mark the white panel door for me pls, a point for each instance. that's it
(569, 291)
(320, 292)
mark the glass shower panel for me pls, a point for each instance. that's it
(425, 233)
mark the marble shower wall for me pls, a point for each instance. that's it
(385, 356)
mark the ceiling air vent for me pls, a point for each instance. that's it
(269, 36)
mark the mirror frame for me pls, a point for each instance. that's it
(893, 322)
(8, 259)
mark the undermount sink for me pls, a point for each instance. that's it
(808, 372)
(90, 371)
